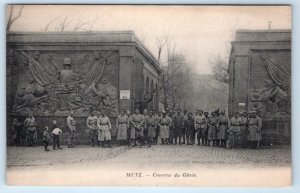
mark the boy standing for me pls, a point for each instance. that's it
(56, 132)
(46, 138)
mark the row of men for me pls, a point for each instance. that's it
(171, 128)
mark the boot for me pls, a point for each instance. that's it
(102, 144)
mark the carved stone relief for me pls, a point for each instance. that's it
(54, 82)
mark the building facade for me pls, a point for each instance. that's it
(49, 74)
(260, 79)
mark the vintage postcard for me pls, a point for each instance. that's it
(148, 95)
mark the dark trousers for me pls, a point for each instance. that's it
(17, 140)
(46, 143)
(182, 135)
(30, 138)
(176, 134)
(199, 135)
(190, 135)
(93, 136)
(56, 141)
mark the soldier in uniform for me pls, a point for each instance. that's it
(157, 117)
(91, 123)
(178, 126)
(171, 127)
(183, 131)
(190, 127)
(17, 131)
(151, 128)
(198, 119)
(234, 131)
(71, 126)
(255, 125)
(137, 128)
(212, 129)
(204, 126)
(122, 126)
(244, 129)
(104, 126)
(222, 129)
(164, 124)
(30, 126)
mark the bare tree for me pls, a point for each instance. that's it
(220, 69)
(12, 19)
(67, 24)
(160, 44)
(50, 23)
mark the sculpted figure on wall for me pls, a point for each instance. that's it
(49, 87)
(272, 99)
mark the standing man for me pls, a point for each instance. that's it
(104, 126)
(223, 125)
(137, 127)
(30, 126)
(164, 124)
(122, 126)
(190, 127)
(255, 125)
(185, 117)
(212, 129)
(17, 131)
(151, 128)
(178, 126)
(71, 125)
(234, 131)
(157, 117)
(91, 123)
(171, 127)
(198, 121)
(244, 129)
(205, 122)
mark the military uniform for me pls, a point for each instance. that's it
(91, 123)
(178, 126)
(137, 127)
(190, 127)
(244, 131)
(184, 129)
(157, 118)
(164, 124)
(71, 125)
(234, 136)
(255, 125)
(212, 129)
(171, 130)
(198, 121)
(151, 128)
(222, 129)
(104, 126)
(122, 125)
(30, 126)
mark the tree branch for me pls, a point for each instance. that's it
(11, 20)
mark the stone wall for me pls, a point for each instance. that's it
(49, 74)
(260, 72)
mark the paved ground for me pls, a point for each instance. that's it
(158, 165)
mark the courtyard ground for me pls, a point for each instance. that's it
(159, 165)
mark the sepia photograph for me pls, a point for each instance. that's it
(148, 95)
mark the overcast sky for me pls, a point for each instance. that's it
(200, 32)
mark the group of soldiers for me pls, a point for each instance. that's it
(174, 127)
(162, 127)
